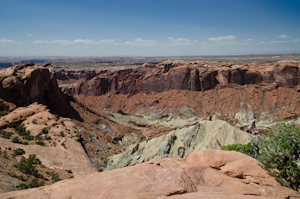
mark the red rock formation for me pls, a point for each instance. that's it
(28, 83)
(198, 176)
(179, 76)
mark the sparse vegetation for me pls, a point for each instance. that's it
(38, 138)
(41, 143)
(17, 152)
(62, 123)
(69, 171)
(247, 149)
(6, 135)
(34, 122)
(54, 176)
(62, 134)
(33, 184)
(279, 151)
(27, 165)
(44, 131)
(16, 139)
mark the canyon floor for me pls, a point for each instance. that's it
(147, 130)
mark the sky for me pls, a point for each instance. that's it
(148, 27)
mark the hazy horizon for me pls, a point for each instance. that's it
(148, 28)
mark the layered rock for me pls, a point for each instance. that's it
(194, 177)
(28, 83)
(182, 140)
(178, 75)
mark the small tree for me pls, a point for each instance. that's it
(279, 152)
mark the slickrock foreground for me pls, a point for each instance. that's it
(207, 174)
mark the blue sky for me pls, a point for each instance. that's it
(148, 28)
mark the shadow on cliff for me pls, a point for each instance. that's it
(25, 84)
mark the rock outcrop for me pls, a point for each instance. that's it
(183, 140)
(24, 84)
(228, 175)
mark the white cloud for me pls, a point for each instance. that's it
(283, 36)
(180, 41)
(265, 38)
(222, 38)
(249, 40)
(140, 41)
(29, 34)
(262, 42)
(6, 41)
(77, 41)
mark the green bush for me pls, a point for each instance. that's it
(17, 152)
(247, 149)
(27, 165)
(35, 183)
(20, 129)
(16, 140)
(69, 171)
(44, 131)
(28, 137)
(38, 138)
(279, 151)
(41, 143)
(62, 134)
(54, 176)
(6, 135)
(23, 186)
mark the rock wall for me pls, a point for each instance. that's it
(178, 75)
(24, 84)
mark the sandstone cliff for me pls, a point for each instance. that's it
(264, 92)
(24, 84)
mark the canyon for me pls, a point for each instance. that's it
(155, 129)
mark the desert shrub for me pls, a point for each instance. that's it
(6, 135)
(71, 177)
(247, 149)
(20, 129)
(27, 165)
(25, 142)
(54, 176)
(62, 123)
(38, 138)
(279, 152)
(28, 137)
(17, 152)
(41, 143)
(69, 171)
(16, 140)
(48, 137)
(23, 186)
(35, 183)
(62, 134)
(13, 125)
(34, 122)
(44, 131)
